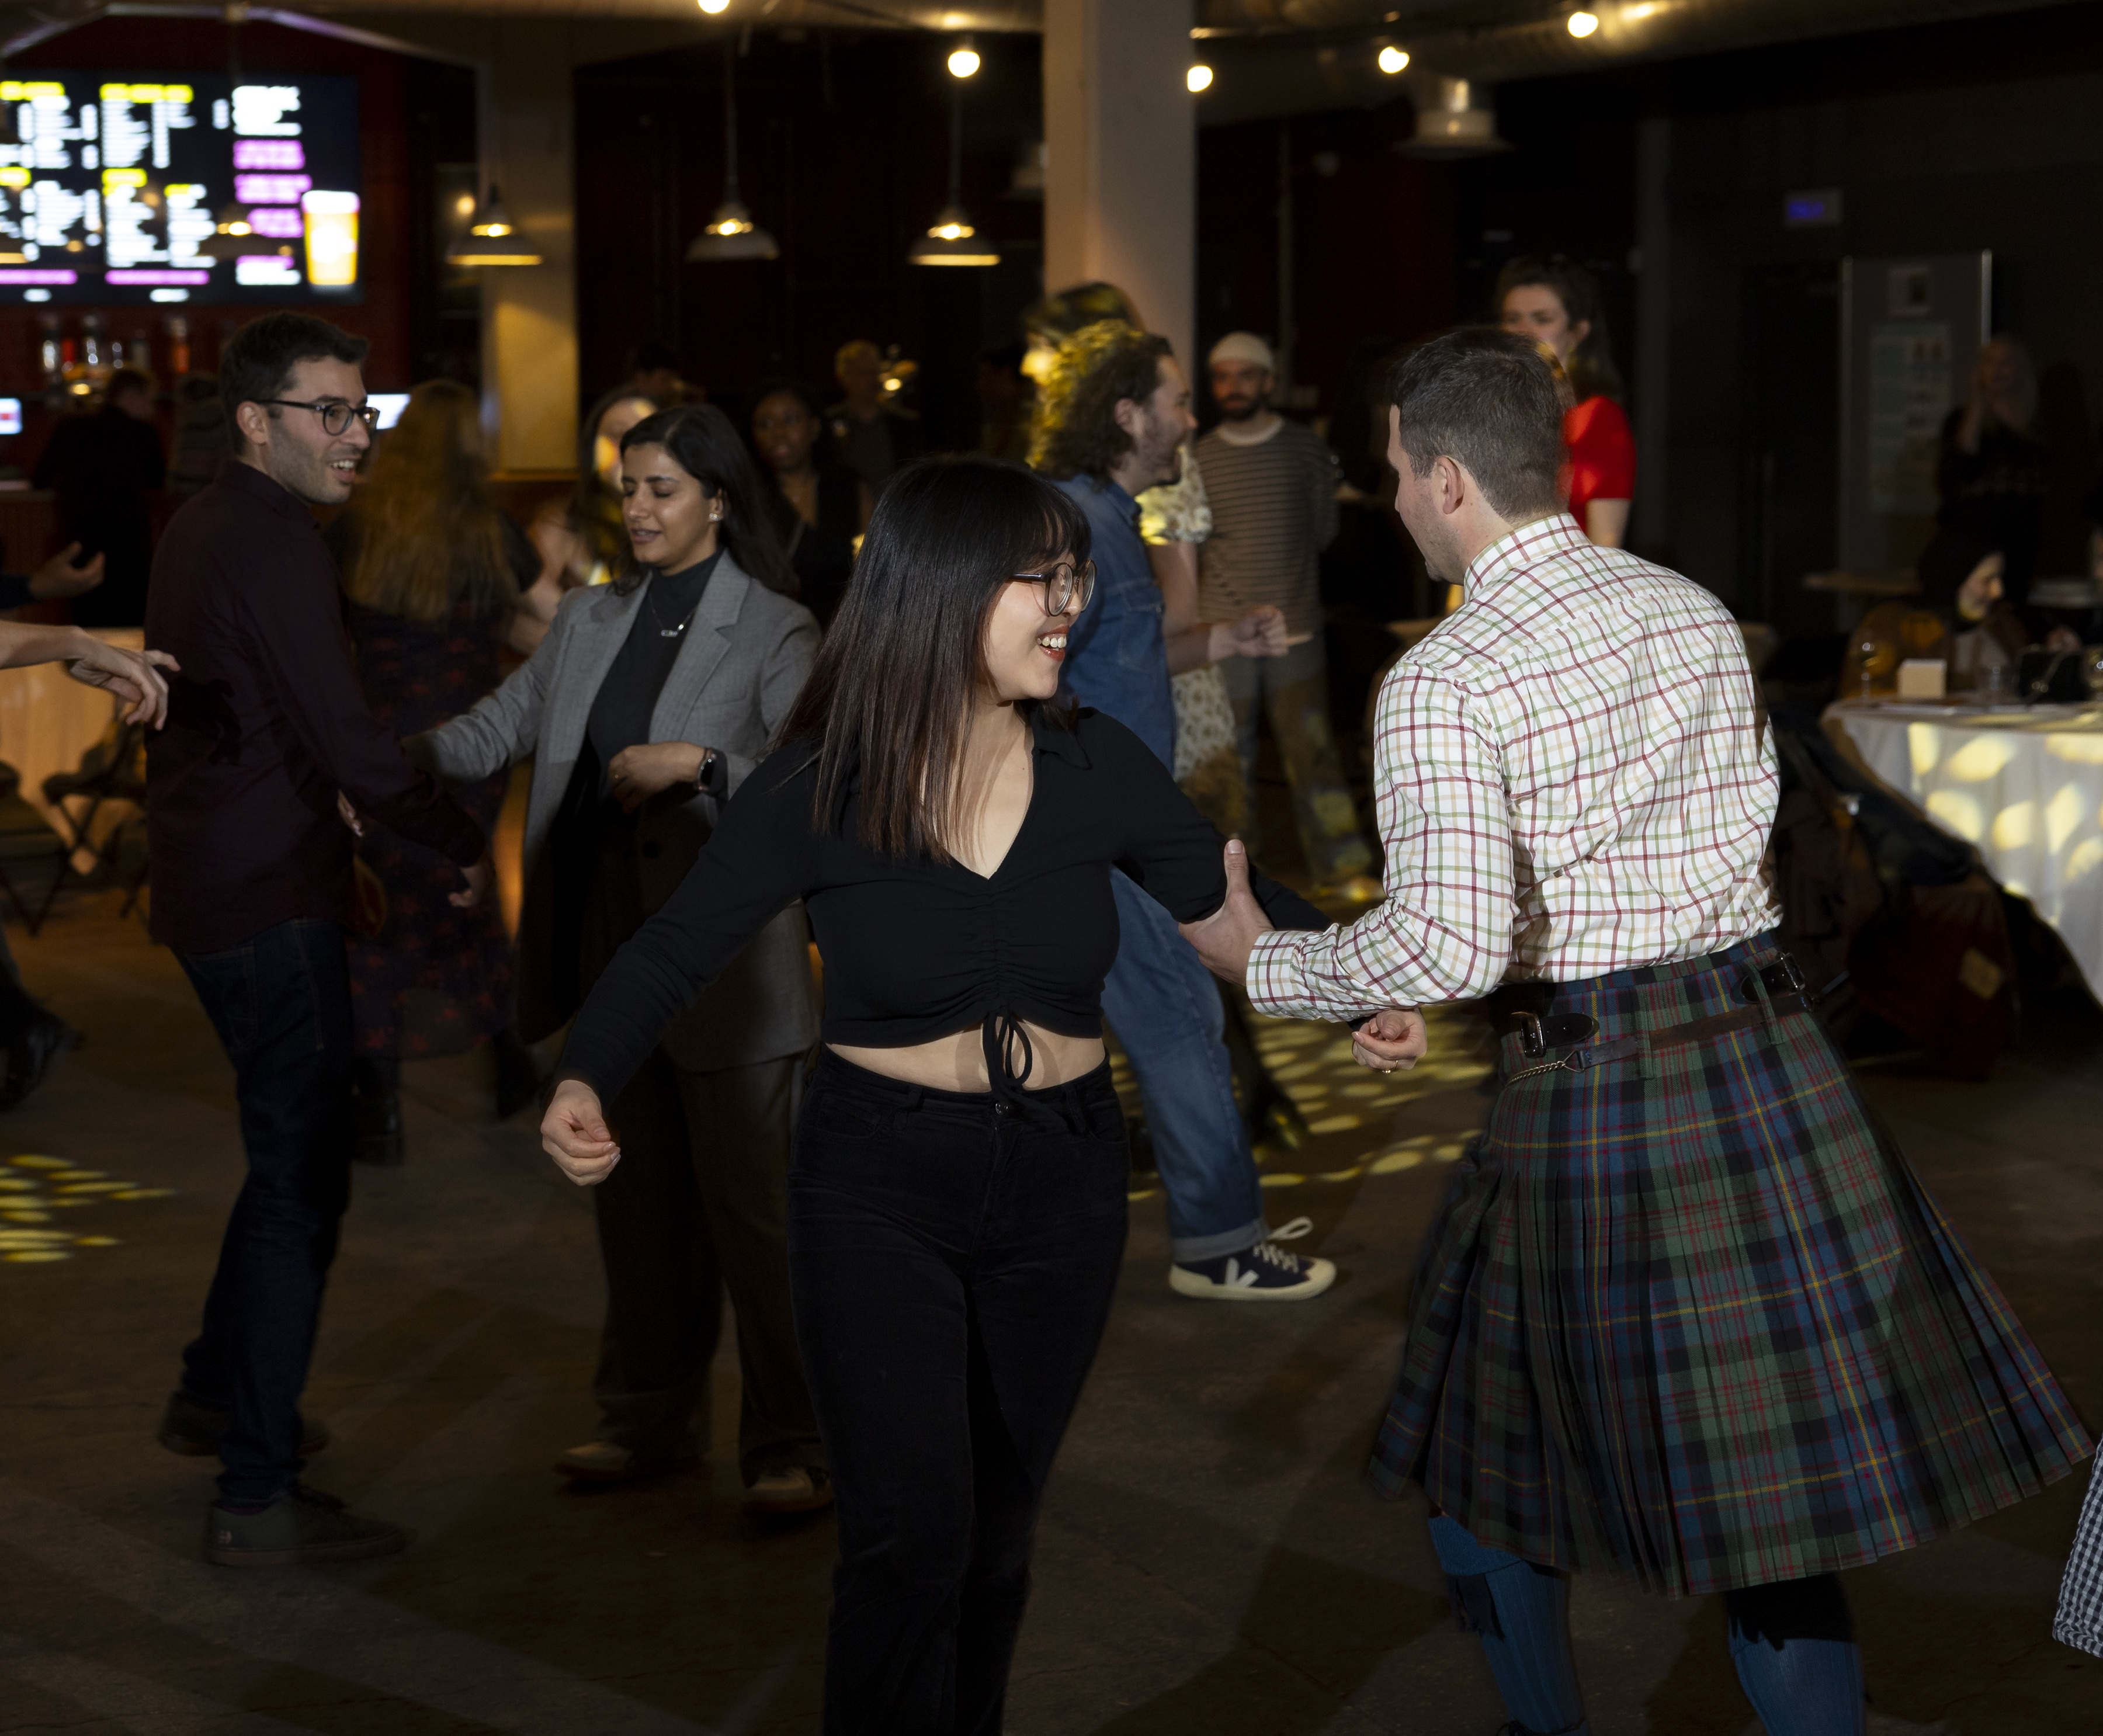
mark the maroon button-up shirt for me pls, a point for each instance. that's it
(265, 724)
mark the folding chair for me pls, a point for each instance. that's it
(113, 770)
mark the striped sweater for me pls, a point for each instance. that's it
(1273, 511)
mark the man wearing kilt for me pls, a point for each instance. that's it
(1686, 1314)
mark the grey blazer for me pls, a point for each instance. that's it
(743, 663)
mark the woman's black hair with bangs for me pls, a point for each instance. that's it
(889, 698)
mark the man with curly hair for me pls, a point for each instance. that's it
(1113, 410)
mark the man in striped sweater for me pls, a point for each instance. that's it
(1272, 484)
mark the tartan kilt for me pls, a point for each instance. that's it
(1689, 1317)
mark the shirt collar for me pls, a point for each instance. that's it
(1522, 547)
(246, 479)
(1052, 736)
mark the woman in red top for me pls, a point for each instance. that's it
(1556, 303)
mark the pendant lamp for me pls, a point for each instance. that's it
(492, 238)
(731, 233)
(950, 239)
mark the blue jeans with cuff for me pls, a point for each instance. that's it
(1163, 1006)
(281, 1004)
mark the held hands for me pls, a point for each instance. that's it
(1394, 1038)
(133, 676)
(1223, 939)
(59, 577)
(637, 774)
(574, 1133)
(476, 887)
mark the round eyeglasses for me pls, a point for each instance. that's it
(1062, 585)
(336, 416)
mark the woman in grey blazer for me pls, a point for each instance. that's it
(644, 708)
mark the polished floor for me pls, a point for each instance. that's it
(1211, 1563)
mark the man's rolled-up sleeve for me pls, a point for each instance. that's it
(1444, 932)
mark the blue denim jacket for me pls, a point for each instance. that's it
(1116, 660)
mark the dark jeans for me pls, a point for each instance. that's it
(953, 1259)
(695, 1208)
(281, 1004)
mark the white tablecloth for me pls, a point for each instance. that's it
(2026, 785)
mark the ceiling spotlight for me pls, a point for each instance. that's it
(713, 7)
(1583, 24)
(1198, 78)
(1393, 60)
(963, 61)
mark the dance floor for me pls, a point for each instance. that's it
(1211, 1562)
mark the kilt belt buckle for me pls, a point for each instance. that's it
(1784, 977)
(1537, 1035)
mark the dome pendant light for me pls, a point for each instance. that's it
(492, 238)
(950, 239)
(731, 233)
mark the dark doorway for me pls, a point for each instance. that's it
(1790, 449)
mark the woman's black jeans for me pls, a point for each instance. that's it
(952, 1258)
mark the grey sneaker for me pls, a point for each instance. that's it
(793, 1489)
(301, 1528)
(193, 1428)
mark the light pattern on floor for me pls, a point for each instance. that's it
(38, 1191)
(1313, 1061)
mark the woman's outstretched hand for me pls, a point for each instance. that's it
(1224, 938)
(574, 1133)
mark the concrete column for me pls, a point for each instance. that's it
(1121, 175)
(529, 313)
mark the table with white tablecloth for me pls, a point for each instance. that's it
(2025, 784)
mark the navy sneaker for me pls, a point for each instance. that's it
(1266, 1272)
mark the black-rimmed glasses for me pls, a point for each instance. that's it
(1063, 584)
(336, 416)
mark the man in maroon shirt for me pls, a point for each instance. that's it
(266, 730)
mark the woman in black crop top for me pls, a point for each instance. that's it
(957, 1198)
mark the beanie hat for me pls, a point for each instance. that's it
(1244, 346)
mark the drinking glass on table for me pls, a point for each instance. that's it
(1996, 683)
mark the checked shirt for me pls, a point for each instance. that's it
(1573, 778)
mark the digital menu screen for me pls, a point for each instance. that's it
(117, 179)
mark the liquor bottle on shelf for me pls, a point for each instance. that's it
(178, 328)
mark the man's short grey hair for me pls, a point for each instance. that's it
(1492, 403)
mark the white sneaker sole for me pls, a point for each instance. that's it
(1321, 1274)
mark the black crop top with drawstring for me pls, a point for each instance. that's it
(915, 949)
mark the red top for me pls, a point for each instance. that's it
(1602, 455)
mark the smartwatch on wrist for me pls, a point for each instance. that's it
(706, 778)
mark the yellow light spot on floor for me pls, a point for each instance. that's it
(79, 1175)
(36, 1256)
(14, 1183)
(1334, 1124)
(96, 1187)
(96, 1241)
(1370, 1089)
(1283, 1179)
(26, 1217)
(138, 1193)
(1450, 1153)
(1298, 1070)
(1390, 1163)
(41, 1163)
(1143, 1193)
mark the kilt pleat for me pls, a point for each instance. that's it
(1691, 1317)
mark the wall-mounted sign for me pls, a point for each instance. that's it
(118, 180)
(1817, 208)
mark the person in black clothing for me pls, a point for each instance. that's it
(957, 1205)
(1991, 474)
(821, 507)
(102, 467)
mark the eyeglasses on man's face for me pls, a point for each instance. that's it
(1064, 586)
(336, 416)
